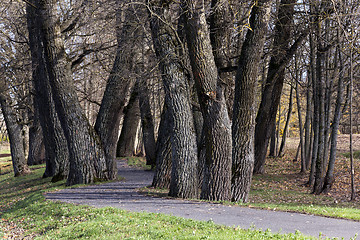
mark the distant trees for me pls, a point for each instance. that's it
(182, 81)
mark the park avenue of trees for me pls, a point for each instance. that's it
(198, 87)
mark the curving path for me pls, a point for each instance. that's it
(124, 195)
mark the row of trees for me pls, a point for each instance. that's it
(207, 77)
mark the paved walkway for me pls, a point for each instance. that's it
(123, 195)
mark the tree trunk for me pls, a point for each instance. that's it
(36, 143)
(183, 140)
(244, 102)
(352, 171)
(126, 144)
(87, 158)
(307, 144)
(272, 150)
(329, 178)
(147, 124)
(286, 128)
(56, 150)
(118, 89)
(270, 97)
(14, 132)
(162, 176)
(301, 129)
(320, 96)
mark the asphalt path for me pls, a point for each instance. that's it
(124, 195)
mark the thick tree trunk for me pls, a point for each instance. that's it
(118, 89)
(286, 127)
(270, 97)
(87, 158)
(14, 132)
(56, 150)
(183, 139)
(162, 176)
(244, 102)
(216, 184)
(126, 144)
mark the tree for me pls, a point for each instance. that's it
(216, 184)
(183, 140)
(87, 159)
(119, 86)
(14, 132)
(56, 149)
(270, 98)
(244, 102)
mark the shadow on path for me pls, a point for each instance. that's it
(124, 195)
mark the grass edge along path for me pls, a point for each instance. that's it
(25, 214)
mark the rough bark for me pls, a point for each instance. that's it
(183, 140)
(216, 184)
(14, 132)
(118, 89)
(36, 143)
(162, 176)
(271, 94)
(244, 102)
(87, 158)
(56, 150)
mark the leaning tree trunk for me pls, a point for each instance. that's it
(118, 88)
(14, 132)
(87, 158)
(271, 94)
(56, 150)
(244, 102)
(217, 181)
(183, 139)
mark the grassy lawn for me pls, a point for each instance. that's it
(25, 214)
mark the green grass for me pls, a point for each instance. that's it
(282, 189)
(5, 162)
(25, 212)
(139, 162)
